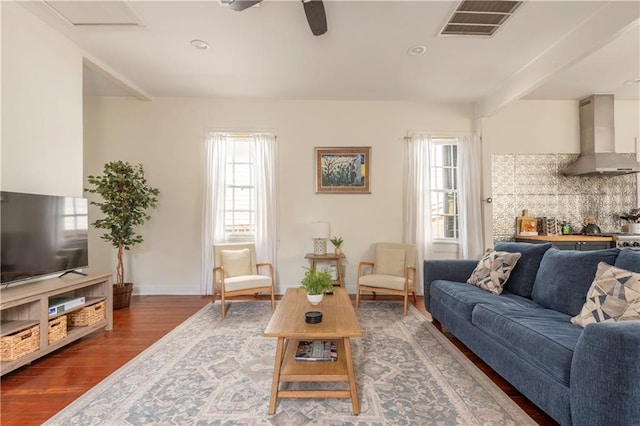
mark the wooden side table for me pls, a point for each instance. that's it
(329, 257)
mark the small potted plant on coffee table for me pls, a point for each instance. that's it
(316, 283)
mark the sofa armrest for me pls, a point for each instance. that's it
(458, 270)
(605, 375)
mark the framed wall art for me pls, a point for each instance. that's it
(343, 170)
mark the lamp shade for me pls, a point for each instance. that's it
(320, 230)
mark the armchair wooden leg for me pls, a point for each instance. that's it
(406, 304)
(223, 307)
(273, 300)
(415, 299)
(357, 297)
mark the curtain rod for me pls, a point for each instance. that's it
(408, 138)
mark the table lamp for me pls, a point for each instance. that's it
(320, 233)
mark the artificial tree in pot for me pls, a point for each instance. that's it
(126, 200)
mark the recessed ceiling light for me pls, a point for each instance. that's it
(417, 50)
(631, 82)
(200, 44)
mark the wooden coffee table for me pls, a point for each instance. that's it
(339, 323)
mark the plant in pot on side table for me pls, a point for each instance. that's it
(126, 200)
(316, 283)
(337, 244)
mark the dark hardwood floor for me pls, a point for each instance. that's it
(34, 393)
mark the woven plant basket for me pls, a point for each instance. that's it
(122, 295)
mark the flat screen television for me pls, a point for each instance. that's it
(41, 235)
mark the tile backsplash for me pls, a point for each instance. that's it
(533, 182)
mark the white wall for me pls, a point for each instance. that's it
(545, 127)
(167, 136)
(41, 107)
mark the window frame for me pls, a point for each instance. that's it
(231, 190)
(438, 141)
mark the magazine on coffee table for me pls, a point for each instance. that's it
(316, 350)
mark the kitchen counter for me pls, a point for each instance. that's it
(571, 242)
(565, 238)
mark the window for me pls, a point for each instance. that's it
(239, 191)
(444, 189)
(240, 195)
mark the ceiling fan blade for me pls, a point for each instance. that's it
(316, 17)
(239, 5)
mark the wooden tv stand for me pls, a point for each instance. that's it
(25, 305)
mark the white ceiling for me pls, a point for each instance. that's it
(547, 50)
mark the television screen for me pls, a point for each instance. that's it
(41, 235)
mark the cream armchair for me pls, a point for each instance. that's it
(392, 272)
(236, 273)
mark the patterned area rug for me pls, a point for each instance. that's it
(214, 371)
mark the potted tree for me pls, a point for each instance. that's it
(126, 199)
(316, 283)
(337, 243)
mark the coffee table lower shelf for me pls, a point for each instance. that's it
(288, 369)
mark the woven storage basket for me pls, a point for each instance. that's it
(88, 315)
(20, 343)
(57, 329)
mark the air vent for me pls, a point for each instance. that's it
(479, 18)
(96, 13)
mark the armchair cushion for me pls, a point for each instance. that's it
(246, 282)
(236, 262)
(383, 281)
(389, 261)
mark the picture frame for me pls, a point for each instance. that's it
(343, 170)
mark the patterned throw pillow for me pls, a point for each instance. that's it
(493, 270)
(614, 295)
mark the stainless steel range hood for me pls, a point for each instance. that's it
(597, 143)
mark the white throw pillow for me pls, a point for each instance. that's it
(493, 270)
(389, 261)
(236, 262)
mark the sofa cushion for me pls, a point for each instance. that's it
(543, 337)
(461, 298)
(564, 277)
(493, 270)
(524, 273)
(614, 296)
(629, 260)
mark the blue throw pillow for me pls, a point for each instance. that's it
(565, 276)
(523, 276)
(629, 260)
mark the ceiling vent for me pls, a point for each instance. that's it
(96, 13)
(479, 17)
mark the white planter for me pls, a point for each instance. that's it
(634, 228)
(314, 299)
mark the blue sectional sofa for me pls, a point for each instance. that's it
(579, 376)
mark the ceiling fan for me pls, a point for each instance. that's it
(313, 9)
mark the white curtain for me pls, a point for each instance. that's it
(469, 197)
(417, 220)
(213, 205)
(265, 154)
(265, 149)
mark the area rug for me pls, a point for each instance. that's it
(210, 371)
